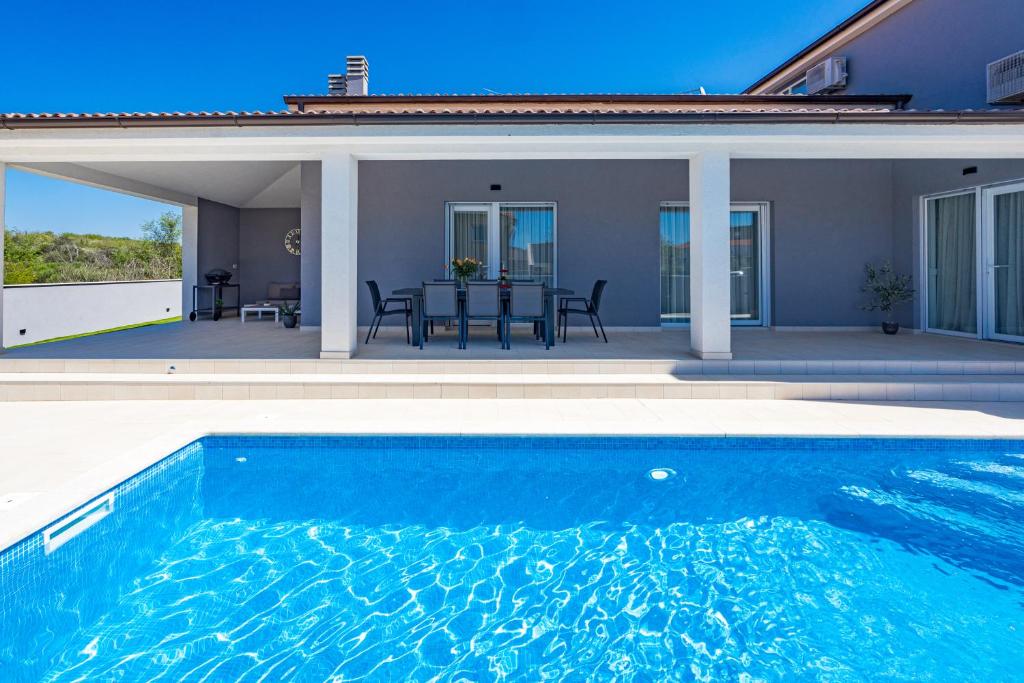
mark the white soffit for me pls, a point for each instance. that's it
(229, 182)
(285, 192)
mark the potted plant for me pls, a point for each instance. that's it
(465, 268)
(887, 290)
(218, 308)
(289, 313)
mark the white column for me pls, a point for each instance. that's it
(338, 229)
(710, 291)
(189, 256)
(3, 195)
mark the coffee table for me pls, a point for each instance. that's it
(259, 310)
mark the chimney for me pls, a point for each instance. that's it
(336, 84)
(357, 75)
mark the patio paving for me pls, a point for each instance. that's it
(229, 339)
(76, 461)
(205, 339)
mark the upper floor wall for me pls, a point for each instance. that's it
(935, 50)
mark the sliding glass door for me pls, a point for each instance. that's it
(1004, 223)
(748, 258)
(519, 237)
(675, 264)
(974, 255)
(745, 250)
(951, 254)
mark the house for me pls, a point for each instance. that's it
(897, 136)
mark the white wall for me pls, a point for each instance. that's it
(59, 310)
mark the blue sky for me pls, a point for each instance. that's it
(120, 56)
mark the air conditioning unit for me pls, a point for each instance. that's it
(827, 76)
(1006, 79)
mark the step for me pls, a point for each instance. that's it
(142, 386)
(682, 366)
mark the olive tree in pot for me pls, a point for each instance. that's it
(289, 313)
(887, 289)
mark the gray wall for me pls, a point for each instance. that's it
(914, 178)
(311, 181)
(829, 218)
(262, 256)
(607, 222)
(248, 242)
(217, 238)
(936, 50)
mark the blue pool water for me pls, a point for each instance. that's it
(527, 559)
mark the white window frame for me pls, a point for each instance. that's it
(983, 235)
(988, 195)
(923, 263)
(763, 209)
(494, 232)
(788, 90)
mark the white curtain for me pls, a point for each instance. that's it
(675, 264)
(469, 235)
(952, 275)
(1009, 259)
(528, 243)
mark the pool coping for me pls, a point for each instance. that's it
(38, 513)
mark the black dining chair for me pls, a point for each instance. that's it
(440, 302)
(380, 310)
(483, 302)
(525, 304)
(583, 306)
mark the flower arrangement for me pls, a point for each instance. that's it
(465, 268)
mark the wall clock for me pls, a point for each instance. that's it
(293, 241)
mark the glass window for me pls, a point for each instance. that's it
(745, 227)
(745, 252)
(675, 264)
(528, 242)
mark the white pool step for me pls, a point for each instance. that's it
(145, 386)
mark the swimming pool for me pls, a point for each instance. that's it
(512, 558)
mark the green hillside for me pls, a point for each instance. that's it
(46, 257)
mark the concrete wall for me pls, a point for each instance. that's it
(262, 256)
(250, 244)
(49, 311)
(936, 50)
(914, 178)
(311, 255)
(829, 218)
(217, 241)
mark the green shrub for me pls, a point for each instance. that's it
(48, 257)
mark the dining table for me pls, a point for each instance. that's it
(551, 295)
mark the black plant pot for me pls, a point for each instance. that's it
(890, 328)
(289, 321)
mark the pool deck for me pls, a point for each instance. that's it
(55, 456)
